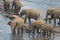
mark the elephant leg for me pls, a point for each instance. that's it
(33, 31)
(59, 22)
(49, 34)
(21, 30)
(53, 34)
(7, 8)
(18, 30)
(12, 7)
(38, 31)
(49, 20)
(4, 7)
(54, 22)
(44, 33)
(13, 31)
(46, 18)
(17, 11)
(25, 20)
(29, 20)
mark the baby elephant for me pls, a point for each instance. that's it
(49, 29)
(37, 24)
(30, 13)
(16, 23)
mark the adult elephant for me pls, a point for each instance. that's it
(54, 14)
(17, 6)
(16, 23)
(6, 5)
(30, 13)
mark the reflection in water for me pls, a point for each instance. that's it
(16, 37)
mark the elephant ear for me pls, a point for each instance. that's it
(23, 12)
(50, 11)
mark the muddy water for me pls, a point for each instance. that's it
(42, 6)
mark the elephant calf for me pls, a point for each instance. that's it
(49, 29)
(30, 13)
(37, 24)
(16, 22)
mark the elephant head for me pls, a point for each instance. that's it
(23, 12)
(49, 14)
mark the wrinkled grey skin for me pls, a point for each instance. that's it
(30, 14)
(17, 6)
(6, 5)
(54, 13)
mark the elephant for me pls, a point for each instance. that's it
(36, 24)
(30, 13)
(17, 6)
(6, 5)
(49, 14)
(16, 23)
(49, 29)
(54, 14)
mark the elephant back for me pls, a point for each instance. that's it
(37, 23)
(6, 1)
(33, 13)
(19, 21)
(48, 27)
(17, 3)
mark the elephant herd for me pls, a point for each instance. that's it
(38, 25)
(16, 6)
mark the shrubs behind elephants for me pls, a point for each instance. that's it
(30, 13)
(6, 5)
(17, 22)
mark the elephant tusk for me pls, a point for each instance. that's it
(49, 16)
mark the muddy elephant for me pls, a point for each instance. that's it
(17, 6)
(36, 25)
(16, 23)
(6, 5)
(30, 13)
(49, 30)
(54, 14)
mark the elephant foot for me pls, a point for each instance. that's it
(13, 34)
(58, 23)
